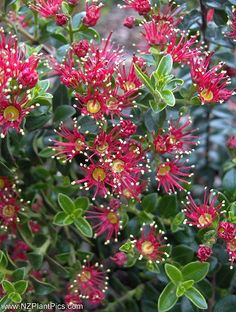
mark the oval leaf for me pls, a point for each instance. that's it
(196, 298)
(195, 271)
(167, 298)
(66, 203)
(84, 227)
(173, 273)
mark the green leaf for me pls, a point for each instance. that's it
(145, 79)
(126, 247)
(63, 112)
(196, 298)
(8, 286)
(84, 227)
(167, 298)
(15, 297)
(76, 20)
(42, 288)
(19, 274)
(226, 304)
(229, 180)
(66, 203)
(69, 220)
(165, 66)
(182, 254)
(195, 271)
(168, 97)
(21, 286)
(157, 106)
(59, 218)
(47, 152)
(149, 202)
(173, 273)
(82, 203)
(35, 260)
(3, 260)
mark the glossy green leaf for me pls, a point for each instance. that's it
(8, 286)
(63, 112)
(165, 66)
(21, 286)
(59, 218)
(167, 298)
(82, 203)
(66, 203)
(168, 97)
(145, 79)
(196, 298)
(84, 227)
(173, 273)
(195, 271)
(15, 297)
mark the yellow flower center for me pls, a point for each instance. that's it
(207, 95)
(85, 276)
(99, 174)
(78, 145)
(8, 211)
(2, 183)
(163, 170)
(112, 103)
(102, 148)
(113, 218)
(127, 193)
(172, 139)
(11, 113)
(118, 166)
(129, 85)
(147, 248)
(93, 107)
(205, 219)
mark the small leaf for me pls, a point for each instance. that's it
(3, 260)
(63, 112)
(59, 218)
(84, 227)
(126, 247)
(195, 271)
(35, 260)
(196, 298)
(167, 298)
(82, 203)
(165, 66)
(168, 97)
(68, 220)
(145, 79)
(42, 288)
(46, 152)
(21, 286)
(66, 203)
(15, 297)
(8, 286)
(157, 106)
(173, 273)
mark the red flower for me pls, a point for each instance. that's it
(202, 215)
(71, 299)
(210, 83)
(20, 251)
(204, 253)
(129, 22)
(143, 7)
(73, 144)
(46, 8)
(169, 14)
(178, 139)
(157, 34)
(210, 15)
(231, 142)
(127, 78)
(61, 19)
(171, 173)
(92, 14)
(9, 209)
(226, 230)
(119, 258)
(96, 175)
(231, 249)
(73, 2)
(180, 48)
(232, 32)
(81, 48)
(35, 227)
(5, 184)
(127, 128)
(90, 283)
(150, 246)
(106, 220)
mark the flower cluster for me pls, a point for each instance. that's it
(90, 70)
(232, 23)
(160, 31)
(177, 140)
(18, 77)
(115, 161)
(208, 216)
(90, 283)
(53, 9)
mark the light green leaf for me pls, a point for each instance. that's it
(168, 97)
(145, 79)
(167, 298)
(84, 227)
(196, 298)
(195, 271)
(173, 273)
(165, 66)
(66, 203)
